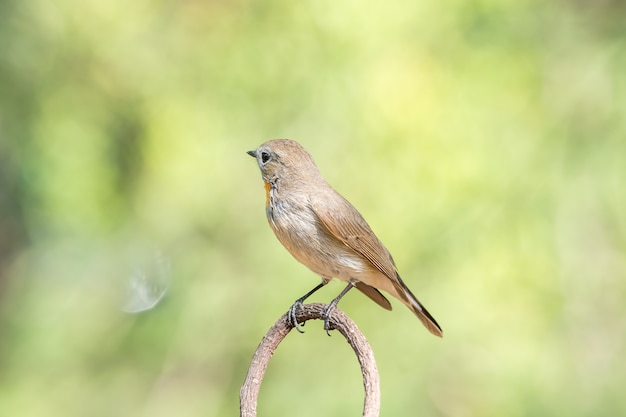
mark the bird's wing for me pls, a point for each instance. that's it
(373, 294)
(345, 223)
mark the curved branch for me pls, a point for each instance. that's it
(339, 321)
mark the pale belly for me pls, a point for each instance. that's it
(310, 243)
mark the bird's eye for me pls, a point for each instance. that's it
(265, 156)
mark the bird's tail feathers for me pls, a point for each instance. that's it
(419, 310)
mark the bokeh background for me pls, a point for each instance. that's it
(484, 141)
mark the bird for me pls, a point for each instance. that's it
(325, 232)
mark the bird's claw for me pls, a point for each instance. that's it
(293, 320)
(327, 312)
(291, 316)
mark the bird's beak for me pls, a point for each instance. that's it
(252, 153)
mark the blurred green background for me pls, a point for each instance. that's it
(484, 141)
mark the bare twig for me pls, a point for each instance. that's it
(339, 321)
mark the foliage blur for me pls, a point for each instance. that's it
(484, 141)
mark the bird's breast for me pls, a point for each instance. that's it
(300, 231)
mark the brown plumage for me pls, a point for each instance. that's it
(322, 230)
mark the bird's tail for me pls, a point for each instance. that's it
(420, 311)
(427, 320)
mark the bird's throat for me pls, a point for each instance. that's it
(268, 187)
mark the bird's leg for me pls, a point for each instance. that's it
(333, 304)
(291, 314)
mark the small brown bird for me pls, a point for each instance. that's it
(322, 230)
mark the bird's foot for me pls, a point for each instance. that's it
(291, 315)
(326, 314)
